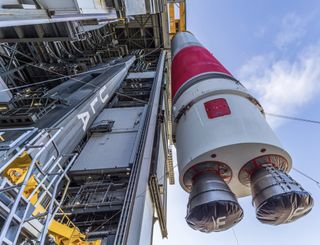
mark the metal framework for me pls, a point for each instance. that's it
(44, 49)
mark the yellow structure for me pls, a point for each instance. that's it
(179, 24)
(63, 231)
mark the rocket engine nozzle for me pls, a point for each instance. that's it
(278, 198)
(212, 205)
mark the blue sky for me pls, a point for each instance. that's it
(273, 47)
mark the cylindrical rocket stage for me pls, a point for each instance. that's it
(224, 144)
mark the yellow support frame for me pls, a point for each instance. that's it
(182, 10)
(172, 20)
(177, 25)
(63, 231)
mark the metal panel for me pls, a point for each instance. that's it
(78, 6)
(4, 2)
(125, 118)
(135, 7)
(59, 5)
(217, 108)
(108, 150)
(139, 7)
(93, 6)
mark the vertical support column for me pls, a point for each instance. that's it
(172, 20)
(182, 11)
(132, 233)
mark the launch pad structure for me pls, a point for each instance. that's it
(93, 95)
(85, 120)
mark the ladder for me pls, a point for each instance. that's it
(30, 204)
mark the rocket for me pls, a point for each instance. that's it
(225, 147)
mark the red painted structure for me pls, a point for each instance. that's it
(192, 61)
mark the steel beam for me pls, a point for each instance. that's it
(40, 39)
(21, 17)
(134, 223)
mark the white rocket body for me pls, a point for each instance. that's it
(233, 139)
(220, 129)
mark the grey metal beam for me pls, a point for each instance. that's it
(26, 40)
(20, 17)
(135, 221)
(101, 208)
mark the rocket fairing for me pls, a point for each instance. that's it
(225, 147)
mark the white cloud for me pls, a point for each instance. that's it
(282, 86)
(292, 28)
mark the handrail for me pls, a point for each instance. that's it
(27, 176)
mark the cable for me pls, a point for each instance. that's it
(98, 69)
(71, 77)
(307, 176)
(37, 83)
(154, 50)
(57, 73)
(161, 178)
(54, 79)
(235, 236)
(97, 228)
(292, 118)
(62, 75)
